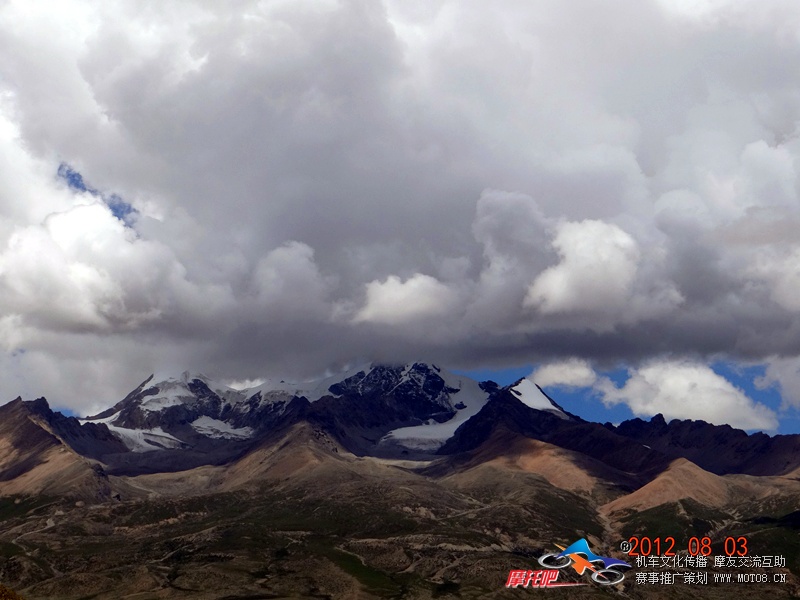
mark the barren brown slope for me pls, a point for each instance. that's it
(298, 456)
(795, 474)
(301, 456)
(284, 458)
(685, 480)
(508, 452)
(33, 460)
(291, 455)
(682, 479)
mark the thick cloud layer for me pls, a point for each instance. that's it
(316, 183)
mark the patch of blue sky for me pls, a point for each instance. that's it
(74, 179)
(119, 208)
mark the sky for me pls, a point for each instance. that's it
(604, 195)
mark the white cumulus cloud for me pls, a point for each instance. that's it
(685, 389)
(596, 272)
(569, 373)
(395, 301)
(785, 374)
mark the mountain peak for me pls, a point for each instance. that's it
(531, 395)
(43, 459)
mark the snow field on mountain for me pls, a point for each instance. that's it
(465, 402)
(432, 435)
(145, 440)
(220, 429)
(530, 395)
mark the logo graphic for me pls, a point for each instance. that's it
(541, 579)
(605, 570)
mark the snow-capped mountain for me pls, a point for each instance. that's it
(466, 397)
(172, 413)
(373, 409)
(532, 396)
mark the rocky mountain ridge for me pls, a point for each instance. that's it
(414, 411)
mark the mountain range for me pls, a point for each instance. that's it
(384, 481)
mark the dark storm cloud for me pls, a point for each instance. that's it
(317, 183)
